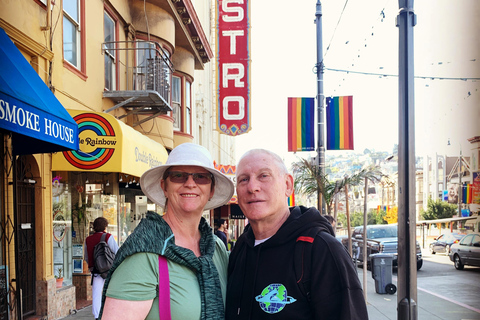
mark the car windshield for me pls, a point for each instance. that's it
(382, 232)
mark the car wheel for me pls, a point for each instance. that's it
(419, 264)
(458, 262)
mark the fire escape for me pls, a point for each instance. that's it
(145, 71)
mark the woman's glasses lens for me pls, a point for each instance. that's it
(182, 177)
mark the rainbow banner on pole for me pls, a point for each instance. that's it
(340, 123)
(301, 128)
(291, 200)
(467, 193)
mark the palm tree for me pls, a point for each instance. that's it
(310, 181)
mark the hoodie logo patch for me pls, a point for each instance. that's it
(274, 298)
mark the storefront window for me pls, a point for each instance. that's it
(62, 229)
(133, 208)
(78, 199)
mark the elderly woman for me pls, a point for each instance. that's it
(180, 241)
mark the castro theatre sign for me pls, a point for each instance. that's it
(233, 66)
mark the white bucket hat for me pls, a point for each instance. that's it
(187, 154)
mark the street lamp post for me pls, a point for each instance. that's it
(320, 102)
(460, 189)
(407, 271)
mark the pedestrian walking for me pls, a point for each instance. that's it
(100, 224)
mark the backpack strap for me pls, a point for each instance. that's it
(163, 289)
(303, 261)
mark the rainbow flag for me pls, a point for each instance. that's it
(467, 195)
(340, 123)
(301, 124)
(291, 200)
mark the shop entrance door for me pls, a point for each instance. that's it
(26, 244)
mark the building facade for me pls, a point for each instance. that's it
(135, 80)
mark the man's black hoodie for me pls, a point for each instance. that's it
(262, 283)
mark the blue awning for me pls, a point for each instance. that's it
(38, 121)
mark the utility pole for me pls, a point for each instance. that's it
(460, 189)
(365, 218)
(348, 221)
(320, 103)
(407, 262)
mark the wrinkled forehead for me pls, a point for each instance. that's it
(257, 162)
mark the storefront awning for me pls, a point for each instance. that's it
(109, 145)
(38, 121)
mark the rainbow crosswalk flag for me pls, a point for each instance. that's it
(301, 130)
(340, 123)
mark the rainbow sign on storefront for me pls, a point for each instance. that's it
(109, 145)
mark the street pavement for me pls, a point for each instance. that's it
(431, 306)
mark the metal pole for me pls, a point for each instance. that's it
(407, 270)
(320, 102)
(460, 189)
(348, 222)
(365, 222)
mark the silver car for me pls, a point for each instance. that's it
(466, 252)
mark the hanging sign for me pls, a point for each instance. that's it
(233, 66)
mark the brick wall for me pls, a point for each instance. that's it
(82, 283)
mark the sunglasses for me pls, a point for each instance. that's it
(182, 177)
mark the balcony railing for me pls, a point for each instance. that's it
(144, 70)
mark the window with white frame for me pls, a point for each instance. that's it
(145, 52)
(71, 32)
(177, 102)
(109, 53)
(188, 108)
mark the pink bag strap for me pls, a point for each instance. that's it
(163, 289)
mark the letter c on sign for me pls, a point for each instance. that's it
(241, 108)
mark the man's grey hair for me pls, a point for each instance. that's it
(276, 158)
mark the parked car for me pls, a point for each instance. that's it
(466, 252)
(381, 238)
(442, 243)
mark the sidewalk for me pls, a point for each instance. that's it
(429, 305)
(382, 306)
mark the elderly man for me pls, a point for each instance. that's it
(270, 276)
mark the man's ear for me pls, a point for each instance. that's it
(289, 183)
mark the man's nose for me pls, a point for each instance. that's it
(253, 186)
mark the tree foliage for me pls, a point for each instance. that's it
(437, 209)
(356, 219)
(310, 181)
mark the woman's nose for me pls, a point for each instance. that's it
(190, 181)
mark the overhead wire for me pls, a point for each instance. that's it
(396, 75)
(380, 19)
(335, 30)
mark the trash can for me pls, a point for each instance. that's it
(382, 273)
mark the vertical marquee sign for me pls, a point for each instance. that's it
(233, 66)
